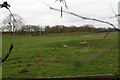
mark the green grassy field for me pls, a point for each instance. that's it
(45, 56)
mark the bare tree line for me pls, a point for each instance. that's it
(18, 27)
(35, 30)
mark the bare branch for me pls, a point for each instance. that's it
(6, 5)
(7, 55)
(93, 19)
(12, 15)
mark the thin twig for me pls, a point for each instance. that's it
(115, 15)
(44, 3)
(106, 34)
(61, 11)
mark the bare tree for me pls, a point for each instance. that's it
(13, 24)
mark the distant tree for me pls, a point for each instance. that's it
(47, 30)
(33, 29)
(2, 28)
(30, 28)
(13, 24)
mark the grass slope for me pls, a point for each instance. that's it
(44, 56)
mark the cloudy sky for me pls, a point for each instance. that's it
(36, 13)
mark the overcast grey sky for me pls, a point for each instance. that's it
(36, 13)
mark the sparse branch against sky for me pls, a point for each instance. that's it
(35, 13)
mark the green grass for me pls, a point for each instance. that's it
(98, 56)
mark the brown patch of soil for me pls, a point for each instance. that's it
(20, 61)
(110, 58)
(65, 45)
(82, 42)
(40, 59)
(13, 62)
(23, 71)
(29, 64)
